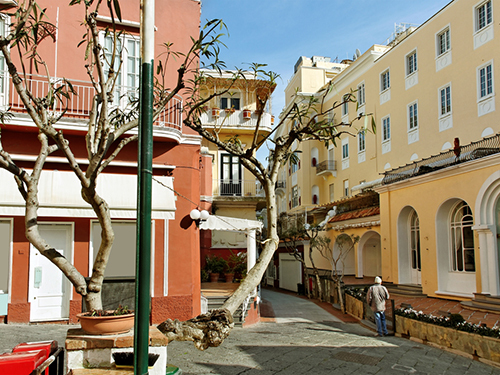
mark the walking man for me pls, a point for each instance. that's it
(376, 297)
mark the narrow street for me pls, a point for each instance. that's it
(305, 339)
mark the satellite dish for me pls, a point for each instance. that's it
(358, 52)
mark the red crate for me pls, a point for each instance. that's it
(49, 347)
(21, 363)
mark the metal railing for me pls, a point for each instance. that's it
(472, 151)
(235, 118)
(326, 165)
(79, 104)
(236, 188)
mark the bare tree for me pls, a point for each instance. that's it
(336, 255)
(108, 132)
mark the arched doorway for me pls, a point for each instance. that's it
(369, 255)
(487, 226)
(455, 248)
(409, 257)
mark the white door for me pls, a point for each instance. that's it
(49, 290)
(290, 272)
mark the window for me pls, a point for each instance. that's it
(330, 191)
(415, 241)
(385, 81)
(127, 83)
(346, 188)
(412, 116)
(443, 42)
(345, 105)
(445, 100)
(361, 141)
(485, 81)
(411, 63)
(295, 196)
(462, 239)
(361, 94)
(295, 162)
(230, 103)
(345, 150)
(483, 15)
(386, 129)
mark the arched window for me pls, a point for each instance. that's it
(415, 241)
(462, 239)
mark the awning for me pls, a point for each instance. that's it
(235, 224)
(60, 195)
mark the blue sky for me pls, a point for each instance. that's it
(278, 32)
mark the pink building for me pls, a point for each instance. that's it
(32, 289)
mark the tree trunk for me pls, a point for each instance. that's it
(316, 277)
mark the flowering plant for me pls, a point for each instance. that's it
(455, 321)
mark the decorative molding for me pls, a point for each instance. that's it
(411, 80)
(483, 36)
(443, 61)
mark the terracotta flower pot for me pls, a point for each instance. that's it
(229, 277)
(106, 325)
(214, 277)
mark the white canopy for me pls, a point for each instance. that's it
(215, 222)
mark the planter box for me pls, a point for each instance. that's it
(484, 347)
(354, 307)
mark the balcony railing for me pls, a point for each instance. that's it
(475, 150)
(327, 166)
(237, 188)
(236, 119)
(78, 105)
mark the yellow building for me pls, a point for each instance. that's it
(430, 90)
(233, 192)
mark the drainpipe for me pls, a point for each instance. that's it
(144, 182)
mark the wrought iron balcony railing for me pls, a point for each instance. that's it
(472, 151)
(326, 166)
(79, 105)
(236, 188)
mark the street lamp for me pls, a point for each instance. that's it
(199, 215)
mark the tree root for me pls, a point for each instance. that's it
(205, 330)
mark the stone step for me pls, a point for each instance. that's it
(479, 297)
(481, 305)
(406, 290)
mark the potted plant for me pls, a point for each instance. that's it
(236, 265)
(107, 322)
(215, 266)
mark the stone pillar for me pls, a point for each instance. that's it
(251, 249)
(488, 257)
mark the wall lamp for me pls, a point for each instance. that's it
(199, 215)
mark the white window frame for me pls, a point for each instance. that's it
(412, 110)
(439, 36)
(345, 105)
(122, 87)
(487, 95)
(385, 84)
(361, 141)
(483, 6)
(361, 94)
(233, 101)
(295, 196)
(345, 148)
(346, 188)
(456, 231)
(447, 100)
(411, 63)
(386, 124)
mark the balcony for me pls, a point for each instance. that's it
(280, 188)
(77, 106)
(325, 167)
(232, 119)
(237, 188)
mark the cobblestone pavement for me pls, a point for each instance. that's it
(305, 339)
